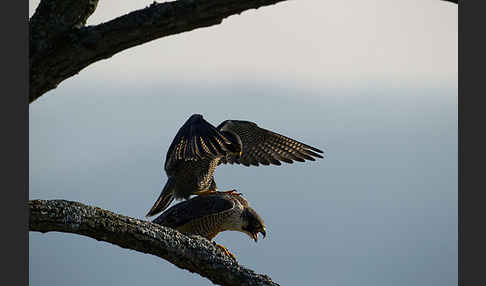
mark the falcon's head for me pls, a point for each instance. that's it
(252, 224)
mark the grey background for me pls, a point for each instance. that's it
(372, 84)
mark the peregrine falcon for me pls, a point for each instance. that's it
(199, 147)
(211, 214)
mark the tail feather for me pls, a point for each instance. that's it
(164, 200)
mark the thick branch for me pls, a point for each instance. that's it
(60, 45)
(53, 18)
(80, 47)
(192, 253)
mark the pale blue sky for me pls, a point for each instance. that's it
(373, 84)
(313, 41)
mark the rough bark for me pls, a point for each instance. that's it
(61, 46)
(193, 253)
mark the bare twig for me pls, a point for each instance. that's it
(192, 253)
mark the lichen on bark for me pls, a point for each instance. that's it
(192, 253)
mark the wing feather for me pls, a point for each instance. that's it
(198, 139)
(262, 146)
(194, 208)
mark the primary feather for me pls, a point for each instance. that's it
(199, 147)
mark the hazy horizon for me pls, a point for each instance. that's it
(385, 194)
(372, 84)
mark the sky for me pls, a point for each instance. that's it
(372, 83)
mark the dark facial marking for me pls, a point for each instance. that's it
(255, 223)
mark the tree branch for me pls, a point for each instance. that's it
(54, 59)
(52, 17)
(193, 253)
(61, 46)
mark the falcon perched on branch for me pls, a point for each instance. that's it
(211, 214)
(199, 147)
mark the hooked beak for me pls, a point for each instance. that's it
(255, 235)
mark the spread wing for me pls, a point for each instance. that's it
(194, 208)
(261, 146)
(198, 139)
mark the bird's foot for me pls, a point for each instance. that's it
(205, 192)
(226, 251)
(232, 192)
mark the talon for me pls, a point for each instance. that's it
(204, 192)
(232, 192)
(226, 251)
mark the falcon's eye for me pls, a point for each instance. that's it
(254, 226)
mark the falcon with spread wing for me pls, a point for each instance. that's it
(199, 147)
(211, 214)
